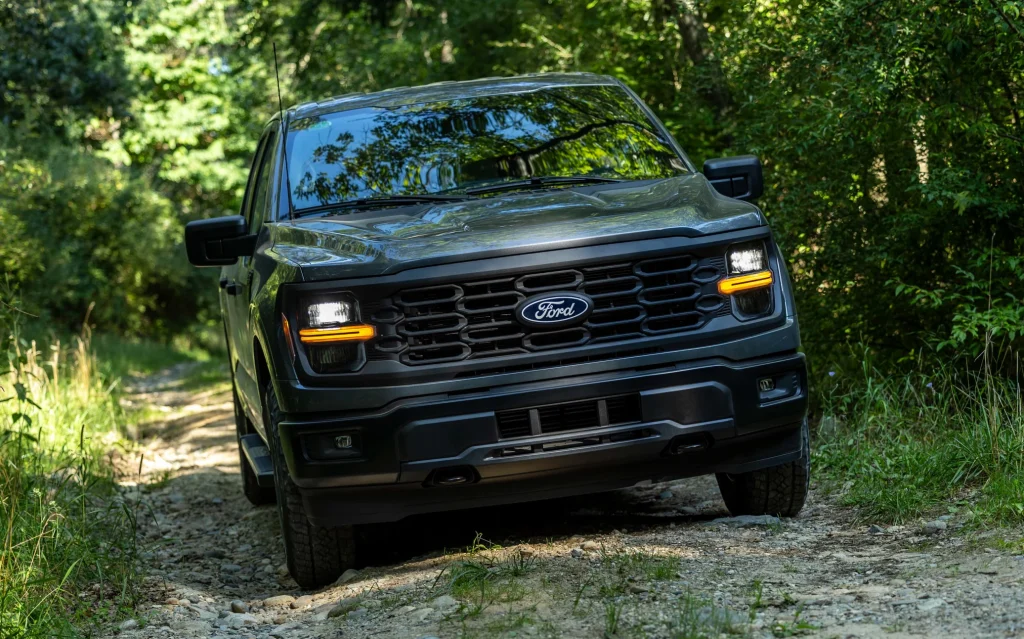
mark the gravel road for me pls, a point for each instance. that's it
(653, 561)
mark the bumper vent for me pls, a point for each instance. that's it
(475, 319)
(557, 418)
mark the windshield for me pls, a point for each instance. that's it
(449, 146)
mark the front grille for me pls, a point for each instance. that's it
(475, 319)
(557, 418)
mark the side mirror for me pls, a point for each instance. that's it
(219, 241)
(739, 177)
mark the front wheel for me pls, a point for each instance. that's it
(778, 490)
(316, 555)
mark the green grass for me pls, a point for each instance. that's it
(68, 556)
(923, 443)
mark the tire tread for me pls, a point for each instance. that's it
(778, 490)
(317, 555)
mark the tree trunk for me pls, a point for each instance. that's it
(697, 47)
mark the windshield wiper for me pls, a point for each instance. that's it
(380, 202)
(541, 181)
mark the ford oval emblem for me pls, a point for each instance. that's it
(554, 310)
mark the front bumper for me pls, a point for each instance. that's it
(694, 418)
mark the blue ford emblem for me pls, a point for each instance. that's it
(554, 310)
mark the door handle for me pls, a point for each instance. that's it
(232, 288)
(224, 282)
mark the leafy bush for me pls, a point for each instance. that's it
(82, 238)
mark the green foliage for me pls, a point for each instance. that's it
(84, 239)
(890, 132)
(61, 67)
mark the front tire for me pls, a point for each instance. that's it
(316, 555)
(779, 490)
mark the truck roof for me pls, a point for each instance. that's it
(438, 91)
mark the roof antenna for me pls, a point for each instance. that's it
(284, 126)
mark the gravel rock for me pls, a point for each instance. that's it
(238, 620)
(278, 600)
(215, 553)
(239, 606)
(347, 576)
(344, 606)
(875, 529)
(576, 553)
(421, 615)
(283, 630)
(591, 546)
(930, 604)
(128, 624)
(689, 510)
(304, 601)
(445, 602)
(204, 614)
(358, 613)
(934, 527)
(746, 521)
(709, 615)
(665, 494)
(231, 568)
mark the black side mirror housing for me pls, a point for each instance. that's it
(739, 177)
(219, 241)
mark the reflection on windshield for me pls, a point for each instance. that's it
(452, 145)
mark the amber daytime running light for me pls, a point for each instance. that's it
(741, 283)
(355, 333)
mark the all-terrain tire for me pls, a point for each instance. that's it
(778, 490)
(316, 555)
(256, 494)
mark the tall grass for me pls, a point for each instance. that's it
(907, 445)
(67, 555)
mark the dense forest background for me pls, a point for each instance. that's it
(890, 132)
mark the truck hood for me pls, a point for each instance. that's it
(385, 241)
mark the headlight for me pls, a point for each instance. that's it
(750, 280)
(747, 258)
(331, 333)
(328, 313)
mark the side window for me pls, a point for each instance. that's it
(251, 181)
(262, 189)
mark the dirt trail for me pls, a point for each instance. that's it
(644, 562)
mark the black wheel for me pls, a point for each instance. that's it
(778, 490)
(316, 555)
(256, 494)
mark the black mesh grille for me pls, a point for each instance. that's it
(556, 418)
(475, 319)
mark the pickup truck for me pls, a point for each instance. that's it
(480, 293)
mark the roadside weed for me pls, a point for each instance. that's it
(901, 447)
(612, 617)
(68, 557)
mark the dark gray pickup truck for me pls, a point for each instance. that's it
(488, 292)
